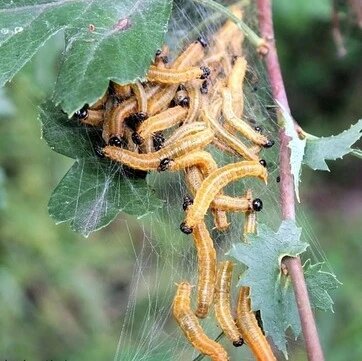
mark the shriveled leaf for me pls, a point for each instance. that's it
(318, 150)
(67, 136)
(92, 193)
(296, 146)
(105, 40)
(263, 257)
(319, 283)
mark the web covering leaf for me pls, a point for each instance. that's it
(97, 33)
(318, 150)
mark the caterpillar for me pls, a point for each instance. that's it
(235, 84)
(151, 161)
(220, 219)
(250, 330)
(185, 130)
(167, 119)
(193, 89)
(203, 160)
(206, 255)
(212, 185)
(161, 58)
(222, 303)
(176, 76)
(140, 93)
(190, 325)
(250, 216)
(121, 92)
(90, 117)
(220, 202)
(182, 97)
(100, 103)
(189, 57)
(244, 128)
(225, 137)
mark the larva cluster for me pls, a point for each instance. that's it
(165, 124)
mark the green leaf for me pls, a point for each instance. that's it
(269, 287)
(2, 189)
(67, 136)
(318, 150)
(105, 40)
(296, 146)
(318, 284)
(6, 107)
(92, 193)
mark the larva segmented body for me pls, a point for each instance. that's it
(185, 130)
(223, 303)
(250, 330)
(141, 96)
(206, 255)
(214, 183)
(151, 161)
(190, 325)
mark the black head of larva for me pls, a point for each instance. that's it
(158, 139)
(269, 144)
(81, 113)
(117, 142)
(204, 89)
(134, 120)
(278, 178)
(164, 164)
(257, 205)
(239, 342)
(202, 41)
(137, 139)
(164, 59)
(185, 102)
(205, 72)
(233, 59)
(263, 162)
(258, 129)
(98, 150)
(158, 52)
(187, 202)
(185, 229)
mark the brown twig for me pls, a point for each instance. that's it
(313, 347)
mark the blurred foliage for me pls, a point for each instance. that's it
(63, 296)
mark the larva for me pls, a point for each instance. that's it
(114, 118)
(190, 325)
(191, 56)
(151, 161)
(194, 178)
(193, 90)
(220, 219)
(185, 130)
(250, 330)
(241, 126)
(167, 119)
(250, 216)
(235, 84)
(90, 117)
(222, 303)
(161, 58)
(202, 159)
(140, 93)
(120, 91)
(176, 76)
(182, 97)
(225, 137)
(206, 256)
(213, 184)
(221, 202)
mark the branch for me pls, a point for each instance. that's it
(294, 266)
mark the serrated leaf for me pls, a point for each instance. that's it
(318, 150)
(92, 193)
(105, 40)
(296, 146)
(263, 257)
(319, 283)
(67, 136)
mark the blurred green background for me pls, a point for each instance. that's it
(63, 296)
